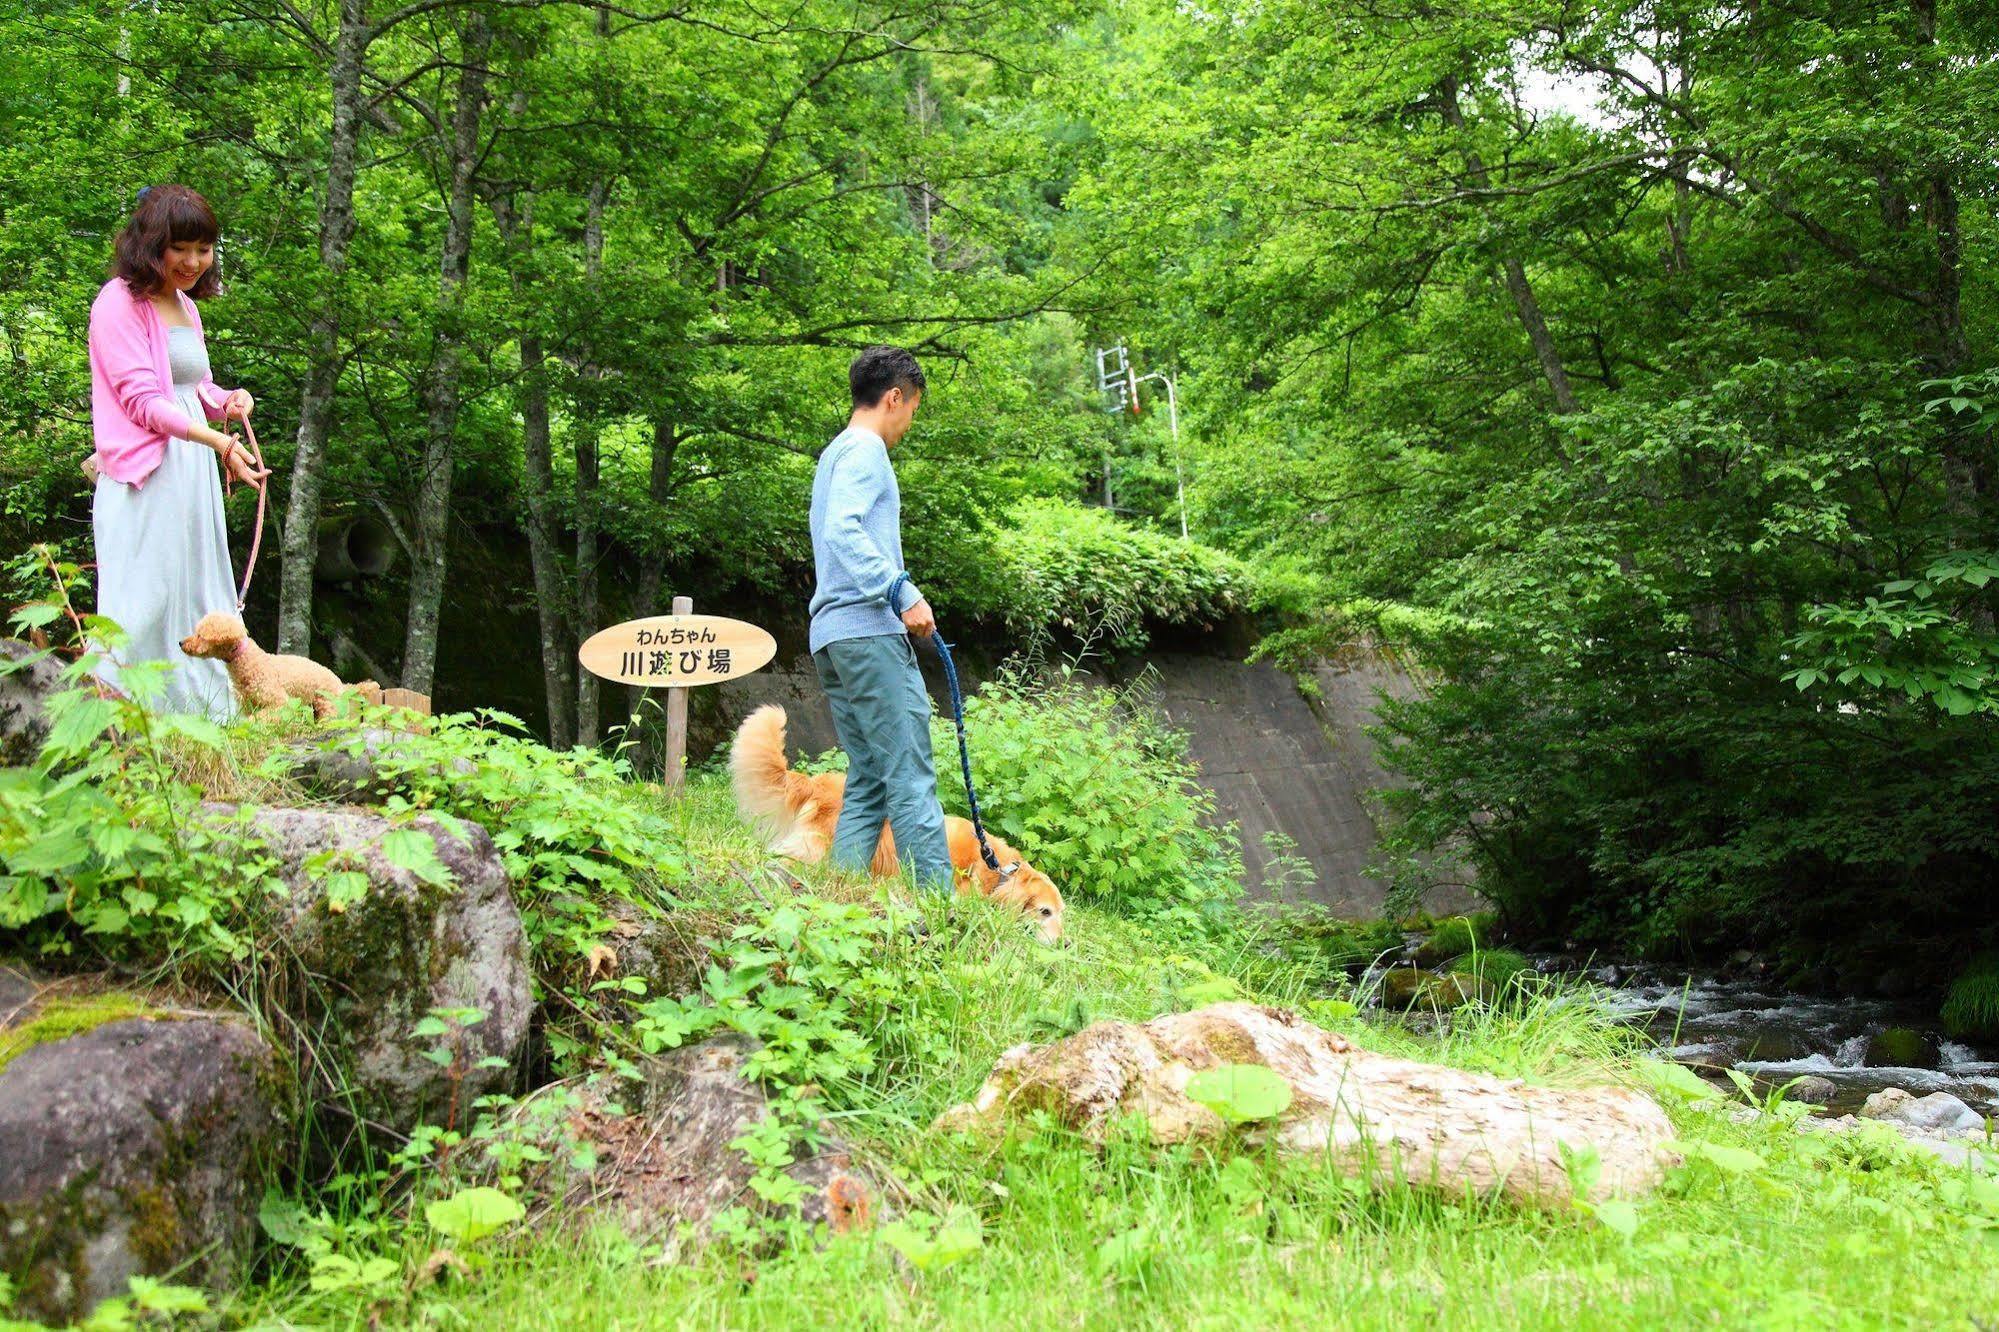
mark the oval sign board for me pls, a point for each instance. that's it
(676, 651)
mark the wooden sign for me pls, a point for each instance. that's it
(677, 651)
(407, 698)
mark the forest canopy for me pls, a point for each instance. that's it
(1629, 367)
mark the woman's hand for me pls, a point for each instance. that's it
(239, 465)
(237, 406)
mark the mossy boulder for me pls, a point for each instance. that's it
(659, 1147)
(1454, 937)
(1496, 966)
(129, 1146)
(363, 970)
(1902, 1047)
(28, 675)
(1401, 985)
(1414, 987)
(364, 766)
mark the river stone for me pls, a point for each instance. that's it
(1398, 1121)
(1901, 1047)
(1401, 985)
(1413, 987)
(1775, 1045)
(1938, 1110)
(23, 690)
(659, 1146)
(139, 1147)
(358, 767)
(1812, 1089)
(375, 969)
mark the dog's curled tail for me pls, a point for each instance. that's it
(757, 766)
(370, 692)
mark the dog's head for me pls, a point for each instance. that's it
(218, 635)
(1034, 893)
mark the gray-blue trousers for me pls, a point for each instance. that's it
(881, 714)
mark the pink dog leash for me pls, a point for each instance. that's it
(257, 538)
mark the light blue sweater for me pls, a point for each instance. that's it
(857, 541)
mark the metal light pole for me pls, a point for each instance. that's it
(1173, 421)
(1116, 377)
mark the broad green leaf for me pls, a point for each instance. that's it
(1241, 1093)
(470, 1215)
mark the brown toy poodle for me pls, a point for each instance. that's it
(264, 679)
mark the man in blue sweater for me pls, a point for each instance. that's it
(864, 610)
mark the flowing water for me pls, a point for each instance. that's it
(1774, 1035)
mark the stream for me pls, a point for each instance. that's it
(1861, 1045)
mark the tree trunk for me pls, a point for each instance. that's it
(1517, 285)
(433, 516)
(652, 566)
(538, 481)
(588, 609)
(557, 656)
(300, 546)
(1396, 1121)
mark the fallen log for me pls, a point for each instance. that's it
(1398, 1120)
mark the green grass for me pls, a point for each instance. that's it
(1825, 1233)
(1971, 1009)
(1497, 965)
(1829, 1233)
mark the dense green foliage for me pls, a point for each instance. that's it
(874, 1026)
(1626, 368)
(1631, 366)
(1971, 1009)
(1097, 793)
(1061, 567)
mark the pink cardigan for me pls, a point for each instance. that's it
(132, 405)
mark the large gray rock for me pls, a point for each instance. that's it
(360, 767)
(137, 1147)
(373, 968)
(25, 684)
(660, 1146)
(1937, 1111)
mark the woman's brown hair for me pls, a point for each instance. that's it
(166, 214)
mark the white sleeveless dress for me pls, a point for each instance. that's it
(163, 553)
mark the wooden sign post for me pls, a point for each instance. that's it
(677, 652)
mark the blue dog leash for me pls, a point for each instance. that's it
(958, 720)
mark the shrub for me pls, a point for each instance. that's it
(1096, 792)
(1087, 572)
(1454, 937)
(1315, 937)
(1971, 1009)
(1496, 966)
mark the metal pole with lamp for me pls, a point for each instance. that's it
(1116, 378)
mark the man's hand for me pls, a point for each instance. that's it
(919, 621)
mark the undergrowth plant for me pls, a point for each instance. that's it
(1971, 1009)
(1098, 794)
(1078, 570)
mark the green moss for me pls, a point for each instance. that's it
(1972, 1007)
(1317, 937)
(1496, 966)
(156, 1233)
(1455, 937)
(66, 1016)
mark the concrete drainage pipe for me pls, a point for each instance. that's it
(352, 548)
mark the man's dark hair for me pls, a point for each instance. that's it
(878, 369)
(165, 214)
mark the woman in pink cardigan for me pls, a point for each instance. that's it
(162, 547)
